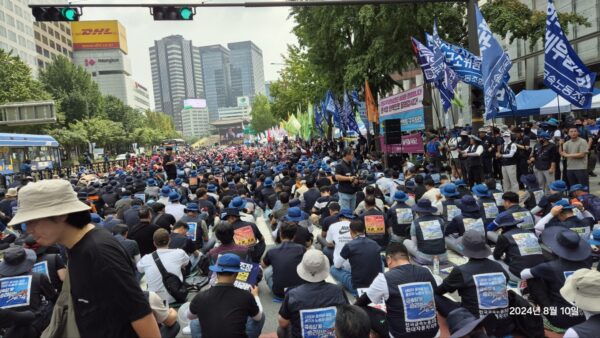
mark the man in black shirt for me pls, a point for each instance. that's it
(232, 312)
(143, 232)
(169, 164)
(281, 261)
(162, 219)
(108, 301)
(311, 195)
(345, 175)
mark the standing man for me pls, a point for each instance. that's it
(103, 285)
(345, 174)
(508, 153)
(169, 164)
(543, 159)
(575, 151)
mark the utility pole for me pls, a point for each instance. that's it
(473, 41)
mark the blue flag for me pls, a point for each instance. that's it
(425, 59)
(563, 70)
(333, 108)
(329, 107)
(495, 64)
(447, 80)
(318, 118)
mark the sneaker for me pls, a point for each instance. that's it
(187, 330)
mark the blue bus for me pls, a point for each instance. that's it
(42, 151)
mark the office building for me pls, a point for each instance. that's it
(52, 39)
(100, 47)
(176, 75)
(247, 70)
(268, 91)
(217, 79)
(195, 118)
(16, 31)
(235, 113)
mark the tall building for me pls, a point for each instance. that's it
(217, 79)
(51, 40)
(176, 75)
(16, 31)
(247, 70)
(195, 118)
(100, 47)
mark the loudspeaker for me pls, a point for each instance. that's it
(392, 131)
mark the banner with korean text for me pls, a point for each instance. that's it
(411, 144)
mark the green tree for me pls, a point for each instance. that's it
(262, 118)
(16, 82)
(116, 110)
(161, 122)
(78, 96)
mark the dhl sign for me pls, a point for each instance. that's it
(102, 34)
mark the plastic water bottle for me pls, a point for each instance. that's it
(436, 265)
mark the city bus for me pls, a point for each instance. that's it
(42, 150)
(176, 143)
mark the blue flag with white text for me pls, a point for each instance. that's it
(425, 59)
(447, 79)
(495, 64)
(563, 70)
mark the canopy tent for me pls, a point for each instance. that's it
(544, 102)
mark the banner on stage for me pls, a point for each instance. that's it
(409, 121)
(411, 144)
(402, 102)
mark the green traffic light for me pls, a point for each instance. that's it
(186, 13)
(70, 14)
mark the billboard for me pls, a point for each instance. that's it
(102, 34)
(407, 100)
(231, 133)
(194, 103)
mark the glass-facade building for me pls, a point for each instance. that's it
(176, 75)
(217, 79)
(247, 70)
(16, 31)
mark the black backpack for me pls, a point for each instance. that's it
(175, 287)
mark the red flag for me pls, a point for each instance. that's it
(372, 112)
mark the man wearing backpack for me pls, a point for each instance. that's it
(172, 260)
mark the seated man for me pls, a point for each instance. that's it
(481, 284)
(281, 261)
(511, 205)
(376, 222)
(400, 216)
(427, 235)
(469, 218)
(174, 260)
(563, 215)
(519, 247)
(363, 255)
(545, 280)
(166, 317)
(339, 234)
(225, 235)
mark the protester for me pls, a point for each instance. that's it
(427, 235)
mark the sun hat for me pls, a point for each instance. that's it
(151, 182)
(178, 181)
(460, 183)
(595, 240)
(174, 196)
(481, 190)
(581, 289)
(566, 243)
(47, 198)
(506, 219)
(558, 185)
(228, 262)
(530, 181)
(314, 266)
(211, 187)
(17, 261)
(474, 244)
(449, 190)
(424, 206)
(461, 322)
(268, 182)
(564, 204)
(578, 187)
(400, 196)
(191, 207)
(468, 203)
(552, 121)
(294, 214)
(237, 202)
(12, 192)
(165, 191)
(346, 213)
(544, 135)
(231, 212)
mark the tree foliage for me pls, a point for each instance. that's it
(77, 95)
(16, 82)
(262, 118)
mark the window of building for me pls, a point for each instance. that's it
(8, 4)
(20, 26)
(63, 39)
(50, 31)
(46, 53)
(37, 36)
(2, 18)
(40, 63)
(2, 31)
(43, 26)
(57, 35)
(52, 44)
(69, 43)
(70, 54)
(39, 50)
(10, 20)
(12, 36)
(68, 31)
(44, 39)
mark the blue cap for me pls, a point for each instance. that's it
(559, 186)
(151, 182)
(178, 181)
(552, 121)
(449, 190)
(481, 190)
(228, 262)
(544, 135)
(577, 187)
(237, 202)
(192, 207)
(268, 182)
(400, 196)
(211, 187)
(174, 196)
(563, 203)
(165, 191)
(294, 214)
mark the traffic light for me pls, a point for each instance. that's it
(56, 13)
(185, 13)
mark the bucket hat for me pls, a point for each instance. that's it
(559, 186)
(47, 198)
(268, 182)
(165, 191)
(474, 244)
(566, 243)
(449, 190)
(400, 196)
(595, 240)
(468, 204)
(151, 182)
(211, 187)
(231, 212)
(581, 289)
(578, 187)
(314, 266)
(506, 219)
(461, 322)
(530, 181)
(294, 214)
(17, 261)
(460, 183)
(12, 192)
(481, 190)
(564, 204)
(424, 206)
(228, 262)
(238, 203)
(191, 207)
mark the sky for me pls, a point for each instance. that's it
(269, 28)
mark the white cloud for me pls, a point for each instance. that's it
(269, 28)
